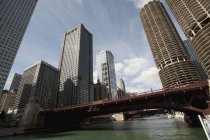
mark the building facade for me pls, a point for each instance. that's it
(171, 58)
(14, 18)
(194, 19)
(121, 88)
(106, 72)
(76, 67)
(7, 101)
(194, 59)
(15, 83)
(100, 91)
(39, 81)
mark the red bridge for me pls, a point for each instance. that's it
(190, 99)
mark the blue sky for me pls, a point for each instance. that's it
(115, 25)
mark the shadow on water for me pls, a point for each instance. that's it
(135, 124)
(54, 135)
(151, 128)
(40, 136)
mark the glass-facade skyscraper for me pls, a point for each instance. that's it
(106, 72)
(76, 67)
(171, 58)
(121, 88)
(15, 83)
(14, 18)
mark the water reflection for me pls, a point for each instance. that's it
(151, 128)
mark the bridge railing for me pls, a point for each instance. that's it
(197, 84)
(136, 95)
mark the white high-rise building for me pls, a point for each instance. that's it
(121, 88)
(76, 67)
(193, 17)
(106, 72)
(169, 53)
(14, 18)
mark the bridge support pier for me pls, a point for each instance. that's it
(192, 119)
(208, 90)
(85, 122)
(31, 112)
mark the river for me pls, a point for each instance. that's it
(150, 128)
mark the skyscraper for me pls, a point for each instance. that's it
(194, 18)
(171, 58)
(40, 81)
(76, 67)
(106, 72)
(99, 91)
(14, 18)
(7, 101)
(194, 59)
(121, 88)
(15, 83)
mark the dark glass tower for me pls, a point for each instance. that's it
(194, 58)
(106, 72)
(15, 83)
(76, 67)
(14, 18)
(171, 58)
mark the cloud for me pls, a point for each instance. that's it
(149, 77)
(81, 2)
(139, 3)
(134, 90)
(134, 65)
(119, 67)
(138, 74)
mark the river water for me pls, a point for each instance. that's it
(150, 128)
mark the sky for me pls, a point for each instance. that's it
(115, 25)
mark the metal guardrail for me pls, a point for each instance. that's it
(151, 92)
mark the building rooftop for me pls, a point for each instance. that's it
(78, 26)
(42, 62)
(104, 51)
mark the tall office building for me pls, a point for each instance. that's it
(121, 88)
(100, 91)
(194, 18)
(14, 18)
(76, 67)
(41, 82)
(106, 72)
(15, 83)
(7, 101)
(171, 58)
(194, 59)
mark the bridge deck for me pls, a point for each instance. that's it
(140, 97)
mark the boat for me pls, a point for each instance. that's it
(118, 117)
(170, 116)
(205, 122)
